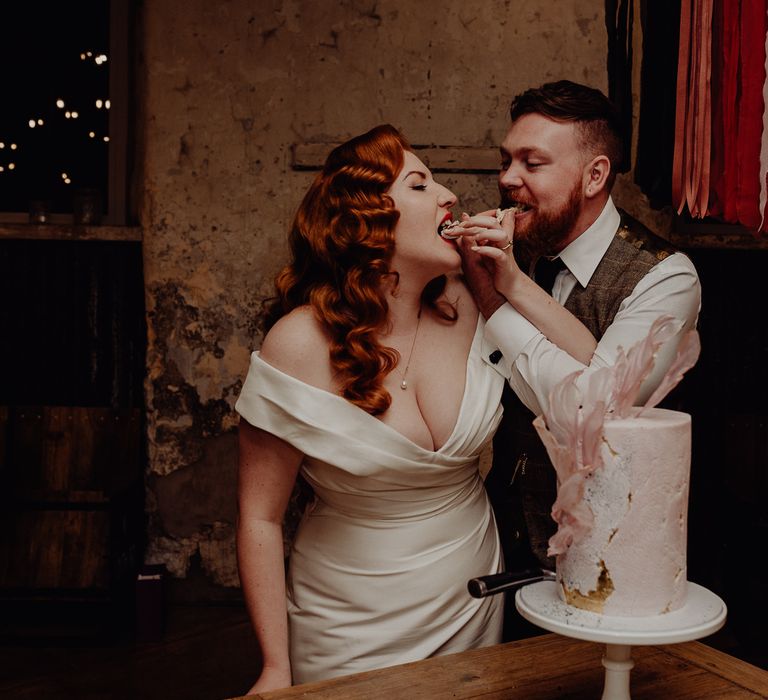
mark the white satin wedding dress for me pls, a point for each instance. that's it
(379, 567)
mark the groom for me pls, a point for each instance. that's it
(558, 162)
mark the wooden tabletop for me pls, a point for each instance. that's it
(548, 667)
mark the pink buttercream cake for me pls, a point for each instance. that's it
(632, 561)
(622, 481)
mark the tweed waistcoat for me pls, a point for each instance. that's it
(521, 483)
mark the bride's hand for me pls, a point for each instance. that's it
(271, 679)
(493, 241)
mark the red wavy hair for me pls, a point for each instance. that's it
(341, 241)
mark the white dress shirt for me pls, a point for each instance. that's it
(533, 365)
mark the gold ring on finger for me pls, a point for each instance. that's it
(509, 245)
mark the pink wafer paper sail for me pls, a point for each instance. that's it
(687, 355)
(572, 428)
(633, 367)
(576, 418)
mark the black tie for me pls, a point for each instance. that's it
(545, 272)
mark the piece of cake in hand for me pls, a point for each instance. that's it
(623, 475)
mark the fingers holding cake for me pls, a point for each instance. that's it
(488, 229)
(493, 236)
(491, 232)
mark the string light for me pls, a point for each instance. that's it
(61, 103)
(99, 59)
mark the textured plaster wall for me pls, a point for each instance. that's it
(229, 87)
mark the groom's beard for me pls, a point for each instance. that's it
(545, 231)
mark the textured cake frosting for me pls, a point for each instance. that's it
(632, 561)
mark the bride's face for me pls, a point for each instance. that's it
(423, 205)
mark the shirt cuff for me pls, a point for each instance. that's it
(506, 331)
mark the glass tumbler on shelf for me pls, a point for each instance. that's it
(87, 206)
(39, 211)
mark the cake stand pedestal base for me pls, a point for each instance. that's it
(702, 614)
(618, 663)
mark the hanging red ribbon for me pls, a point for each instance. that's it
(719, 135)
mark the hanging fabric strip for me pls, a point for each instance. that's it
(764, 145)
(730, 98)
(619, 22)
(679, 165)
(704, 131)
(655, 147)
(721, 168)
(697, 134)
(750, 112)
(719, 108)
(695, 113)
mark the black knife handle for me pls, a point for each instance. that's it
(483, 586)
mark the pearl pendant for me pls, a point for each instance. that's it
(403, 385)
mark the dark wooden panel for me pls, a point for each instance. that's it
(50, 549)
(61, 449)
(744, 437)
(72, 327)
(3, 439)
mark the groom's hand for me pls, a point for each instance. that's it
(478, 274)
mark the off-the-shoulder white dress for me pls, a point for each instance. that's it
(379, 566)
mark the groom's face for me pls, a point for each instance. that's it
(542, 168)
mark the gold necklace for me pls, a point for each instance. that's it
(404, 383)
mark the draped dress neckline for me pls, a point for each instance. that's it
(357, 413)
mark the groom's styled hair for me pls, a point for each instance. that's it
(596, 116)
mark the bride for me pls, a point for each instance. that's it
(371, 383)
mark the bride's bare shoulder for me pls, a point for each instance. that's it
(298, 345)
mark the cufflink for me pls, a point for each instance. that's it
(495, 356)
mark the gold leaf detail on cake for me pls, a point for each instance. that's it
(608, 446)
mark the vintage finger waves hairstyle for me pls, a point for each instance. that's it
(341, 242)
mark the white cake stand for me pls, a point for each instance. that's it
(702, 614)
